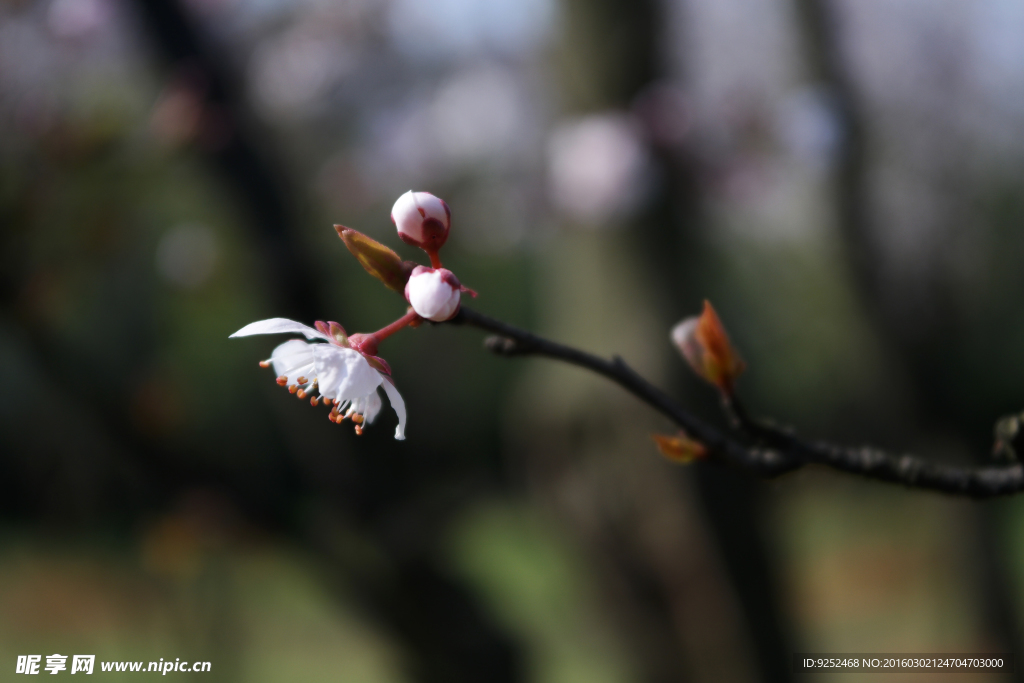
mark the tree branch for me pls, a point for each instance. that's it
(767, 450)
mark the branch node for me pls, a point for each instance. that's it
(503, 346)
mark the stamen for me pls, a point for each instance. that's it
(359, 430)
(327, 401)
(293, 388)
(305, 391)
(313, 401)
(357, 418)
(282, 380)
(264, 363)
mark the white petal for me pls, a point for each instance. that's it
(399, 405)
(372, 407)
(277, 326)
(406, 216)
(343, 374)
(293, 359)
(682, 332)
(432, 206)
(450, 306)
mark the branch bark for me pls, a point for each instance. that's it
(760, 446)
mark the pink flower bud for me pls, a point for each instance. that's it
(434, 294)
(422, 220)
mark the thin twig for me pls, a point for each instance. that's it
(775, 450)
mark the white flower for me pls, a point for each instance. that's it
(434, 294)
(422, 220)
(343, 376)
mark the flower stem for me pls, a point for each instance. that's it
(435, 258)
(385, 332)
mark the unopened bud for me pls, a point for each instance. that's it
(434, 293)
(680, 448)
(422, 220)
(378, 260)
(706, 347)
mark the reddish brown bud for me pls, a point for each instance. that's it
(680, 448)
(706, 347)
(379, 261)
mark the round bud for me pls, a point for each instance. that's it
(422, 220)
(434, 294)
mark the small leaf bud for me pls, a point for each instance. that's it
(706, 347)
(680, 448)
(376, 259)
(1009, 437)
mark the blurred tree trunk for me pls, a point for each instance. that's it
(921, 345)
(231, 142)
(612, 58)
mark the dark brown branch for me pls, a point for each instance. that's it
(774, 450)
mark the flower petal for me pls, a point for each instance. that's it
(293, 359)
(372, 406)
(278, 326)
(399, 405)
(343, 374)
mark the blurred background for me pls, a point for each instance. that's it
(842, 178)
